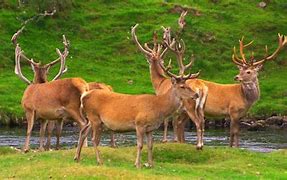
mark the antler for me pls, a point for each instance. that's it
(240, 61)
(156, 52)
(180, 76)
(178, 48)
(282, 41)
(62, 57)
(66, 48)
(181, 20)
(18, 72)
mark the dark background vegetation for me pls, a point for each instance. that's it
(102, 50)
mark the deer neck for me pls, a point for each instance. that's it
(157, 77)
(39, 79)
(169, 101)
(251, 91)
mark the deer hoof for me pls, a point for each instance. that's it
(26, 150)
(148, 165)
(164, 140)
(199, 147)
(76, 159)
(41, 149)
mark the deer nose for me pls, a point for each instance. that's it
(236, 78)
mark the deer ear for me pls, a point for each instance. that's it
(173, 80)
(258, 67)
(239, 67)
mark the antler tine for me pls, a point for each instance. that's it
(189, 65)
(66, 51)
(235, 61)
(236, 58)
(18, 71)
(241, 50)
(191, 76)
(63, 69)
(166, 34)
(282, 41)
(167, 70)
(181, 20)
(147, 47)
(135, 39)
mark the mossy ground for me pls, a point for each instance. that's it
(102, 50)
(172, 161)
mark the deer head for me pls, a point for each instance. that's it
(182, 90)
(40, 71)
(249, 69)
(154, 54)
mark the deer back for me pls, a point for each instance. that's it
(55, 94)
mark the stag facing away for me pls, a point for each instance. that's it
(55, 100)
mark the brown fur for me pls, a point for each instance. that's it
(59, 123)
(53, 100)
(161, 84)
(122, 112)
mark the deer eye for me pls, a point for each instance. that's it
(248, 72)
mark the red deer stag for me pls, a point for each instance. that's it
(59, 124)
(234, 100)
(162, 84)
(142, 113)
(56, 100)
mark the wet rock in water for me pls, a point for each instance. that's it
(275, 120)
(254, 125)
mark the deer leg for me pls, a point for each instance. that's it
(97, 130)
(51, 125)
(83, 135)
(59, 127)
(113, 142)
(31, 116)
(150, 147)
(82, 122)
(175, 123)
(202, 122)
(42, 134)
(234, 133)
(165, 126)
(196, 121)
(140, 136)
(180, 127)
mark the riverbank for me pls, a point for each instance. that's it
(172, 161)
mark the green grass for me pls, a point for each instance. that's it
(102, 50)
(172, 161)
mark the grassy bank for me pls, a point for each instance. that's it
(172, 161)
(101, 48)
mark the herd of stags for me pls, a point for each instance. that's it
(182, 96)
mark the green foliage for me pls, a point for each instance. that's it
(102, 50)
(172, 161)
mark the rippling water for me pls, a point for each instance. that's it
(262, 141)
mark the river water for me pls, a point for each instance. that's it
(261, 141)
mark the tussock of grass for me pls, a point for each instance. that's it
(172, 161)
(102, 50)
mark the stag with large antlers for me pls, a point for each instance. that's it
(234, 100)
(55, 100)
(142, 113)
(161, 84)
